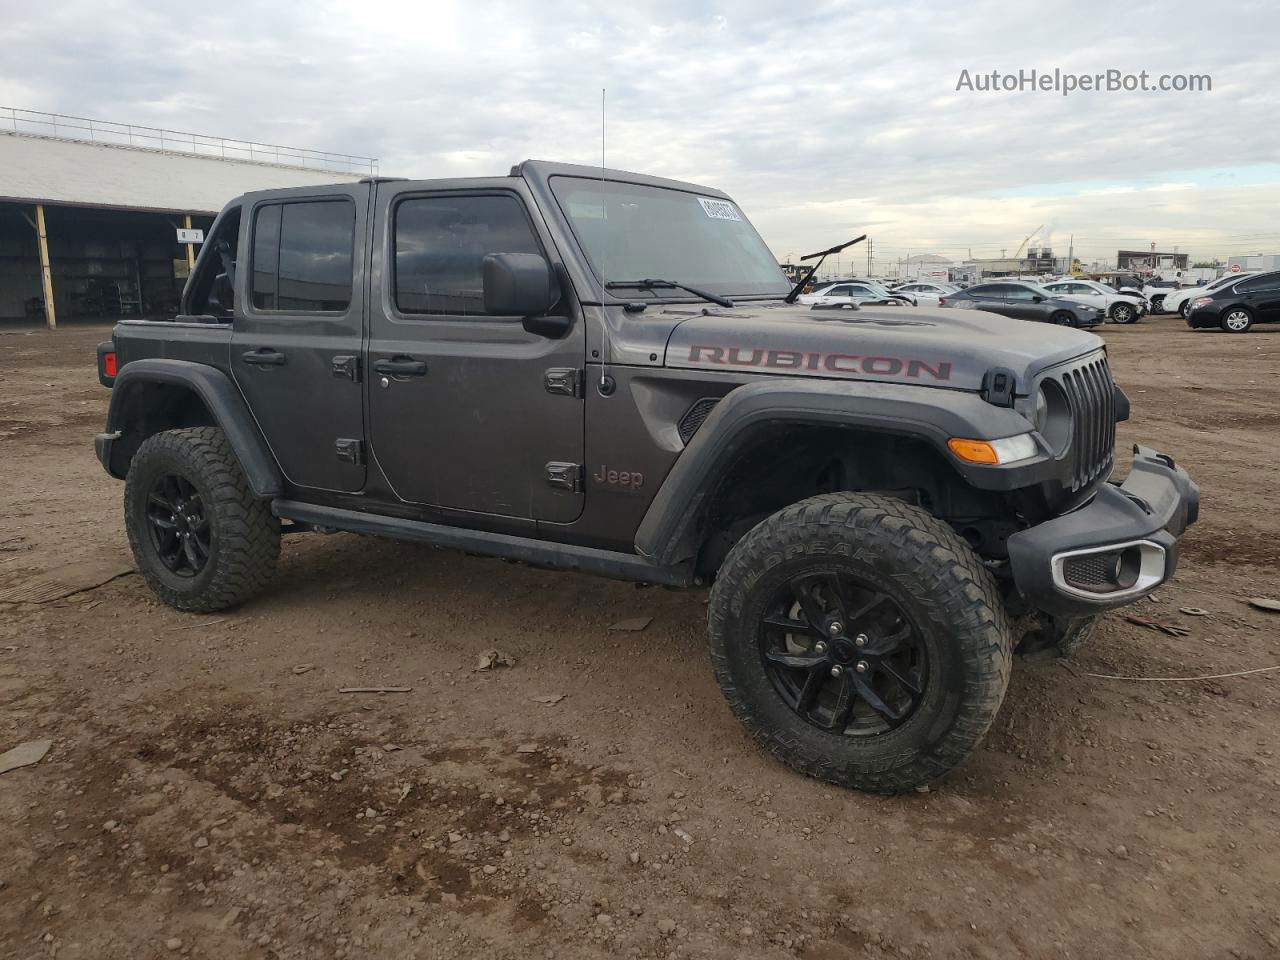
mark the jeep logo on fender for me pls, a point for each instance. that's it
(622, 479)
(834, 362)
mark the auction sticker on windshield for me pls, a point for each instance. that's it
(719, 209)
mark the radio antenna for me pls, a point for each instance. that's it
(606, 344)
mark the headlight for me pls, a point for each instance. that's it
(1040, 413)
(994, 452)
(1201, 302)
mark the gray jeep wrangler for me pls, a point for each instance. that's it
(606, 372)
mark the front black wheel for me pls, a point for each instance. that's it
(860, 640)
(1236, 320)
(200, 537)
(1063, 319)
(1123, 313)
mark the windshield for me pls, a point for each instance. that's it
(633, 232)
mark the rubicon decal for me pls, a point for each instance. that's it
(877, 366)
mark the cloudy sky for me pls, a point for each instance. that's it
(823, 120)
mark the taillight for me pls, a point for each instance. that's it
(107, 363)
(942, 301)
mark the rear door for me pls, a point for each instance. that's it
(469, 412)
(296, 336)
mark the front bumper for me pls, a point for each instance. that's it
(1118, 547)
(1199, 317)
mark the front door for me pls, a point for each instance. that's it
(469, 412)
(1262, 295)
(295, 343)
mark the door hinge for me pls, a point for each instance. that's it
(564, 381)
(349, 451)
(565, 476)
(347, 366)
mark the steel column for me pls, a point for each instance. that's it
(46, 275)
(191, 247)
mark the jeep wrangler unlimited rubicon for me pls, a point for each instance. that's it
(602, 371)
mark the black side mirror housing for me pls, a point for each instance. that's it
(1037, 298)
(523, 285)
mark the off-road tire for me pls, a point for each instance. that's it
(244, 536)
(938, 582)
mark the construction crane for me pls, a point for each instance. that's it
(1017, 253)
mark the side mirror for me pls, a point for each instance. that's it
(522, 285)
(1037, 298)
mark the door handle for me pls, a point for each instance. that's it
(401, 366)
(263, 357)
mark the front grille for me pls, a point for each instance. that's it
(1090, 392)
(694, 417)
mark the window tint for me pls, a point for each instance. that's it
(1266, 281)
(440, 243)
(266, 257)
(1016, 292)
(859, 291)
(302, 256)
(840, 291)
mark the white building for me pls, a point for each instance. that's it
(89, 210)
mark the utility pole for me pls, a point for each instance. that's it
(870, 242)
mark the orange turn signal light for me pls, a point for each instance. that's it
(973, 451)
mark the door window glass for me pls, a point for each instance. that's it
(302, 256)
(440, 244)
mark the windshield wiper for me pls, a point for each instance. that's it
(821, 255)
(651, 284)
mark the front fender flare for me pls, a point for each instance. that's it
(931, 414)
(220, 397)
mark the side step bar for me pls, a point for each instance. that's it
(539, 553)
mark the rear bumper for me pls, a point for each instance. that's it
(102, 444)
(1120, 546)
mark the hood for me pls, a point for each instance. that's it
(948, 348)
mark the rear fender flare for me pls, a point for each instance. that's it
(930, 414)
(220, 397)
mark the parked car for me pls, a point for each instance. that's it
(1236, 307)
(1155, 290)
(1120, 307)
(862, 293)
(1025, 301)
(1179, 301)
(926, 292)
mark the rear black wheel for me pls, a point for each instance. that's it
(200, 537)
(860, 640)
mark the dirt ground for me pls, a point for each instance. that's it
(210, 793)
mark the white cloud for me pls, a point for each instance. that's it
(822, 120)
